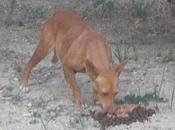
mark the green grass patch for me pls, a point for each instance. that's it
(139, 9)
(34, 121)
(37, 114)
(121, 51)
(145, 99)
(171, 55)
(102, 6)
(36, 13)
(173, 8)
(9, 88)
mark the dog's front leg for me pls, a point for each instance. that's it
(70, 78)
(95, 98)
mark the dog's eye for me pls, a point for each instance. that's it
(105, 93)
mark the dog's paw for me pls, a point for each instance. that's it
(24, 89)
(81, 103)
(84, 105)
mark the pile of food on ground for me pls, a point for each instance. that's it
(123, 114)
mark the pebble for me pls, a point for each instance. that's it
(7, 103)
(29, 104)
(26, 114)
(15, 79)
(52, 114)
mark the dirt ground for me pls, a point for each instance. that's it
(49, 104)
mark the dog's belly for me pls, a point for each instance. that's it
(76, 64)
(82, 70)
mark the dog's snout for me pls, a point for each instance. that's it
(109, 110)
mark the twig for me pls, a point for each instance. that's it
(8, 20)
(172, 97)
(103, 8)
(163, 73)
(102, 127)
(42, 122)
(52, 117)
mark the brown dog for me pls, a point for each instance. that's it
(80, 49)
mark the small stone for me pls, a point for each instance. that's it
(26, 114)
(52, 114)
(7, 103)
(134, 72)
(29, 104)
(15, 79)
(128, 93)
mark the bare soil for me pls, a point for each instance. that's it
(49, 104)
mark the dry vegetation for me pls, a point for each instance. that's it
(141, 30)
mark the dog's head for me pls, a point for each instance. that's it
(106, 84)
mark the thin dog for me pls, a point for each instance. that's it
(80, 49)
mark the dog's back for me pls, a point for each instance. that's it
(76, 41)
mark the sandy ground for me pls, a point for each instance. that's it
(49, 104)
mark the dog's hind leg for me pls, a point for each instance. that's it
(45, 45)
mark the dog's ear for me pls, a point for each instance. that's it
(119, 68)
(91, 69)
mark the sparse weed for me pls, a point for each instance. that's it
(172, 98)
(34, 121)
(103, 5)
(36, 114)
(139, 9)
(9, 88)
(60, 109)
(8, 91)
(110, 5)
(36, 117)
(8, 20)
(171, 55)
(83, 124)
(121, 51)
(96, 3)
(36, 13)
(173, 8)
